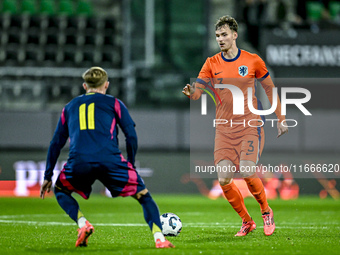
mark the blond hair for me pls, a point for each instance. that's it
(95, 77)
(227, 20)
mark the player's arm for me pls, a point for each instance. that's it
(127, 125)
(193, 91)
(57, 143)
(268, 85)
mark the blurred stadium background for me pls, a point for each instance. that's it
(151, 49)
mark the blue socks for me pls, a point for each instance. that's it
(150, 209)
(151, 212)
(67, 203)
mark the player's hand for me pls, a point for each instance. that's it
(46, 186)
(188, 90)
(281, 129)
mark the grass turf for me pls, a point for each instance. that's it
(308, 225)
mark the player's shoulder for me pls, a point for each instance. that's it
(121, 103)
(110, 97)
(74, 101)
(112, 100)
(90, 97)
(215, 57)
(249, 54)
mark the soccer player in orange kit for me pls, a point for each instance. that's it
(236, 143)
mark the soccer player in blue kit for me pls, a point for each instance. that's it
(90, 121)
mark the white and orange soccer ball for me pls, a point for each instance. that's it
(171, 224)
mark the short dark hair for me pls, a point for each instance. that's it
(95, 76)
(227, 20)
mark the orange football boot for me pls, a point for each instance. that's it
(165, 244)
(269, 224)
(246, 228)
(84, 234)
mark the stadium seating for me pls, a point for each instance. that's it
(71, 33)
(77, 38)
(51, 33)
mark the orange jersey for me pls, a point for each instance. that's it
(242, 72)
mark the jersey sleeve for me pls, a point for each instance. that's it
(57, 143)
(262, 74)
(261, 71)
(127, 125)
(268, 86)
(203, 79)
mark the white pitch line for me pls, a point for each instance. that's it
(192, 225)
(281, 223)
(36, 222)
(72, 224)
(3, 218)
(31, 216)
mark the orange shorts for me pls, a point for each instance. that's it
(239, 146)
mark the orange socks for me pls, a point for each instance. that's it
(233, 195)
(256, 188)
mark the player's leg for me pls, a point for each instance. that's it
(254, 183)
(234, 196)
(230, 190)
(71, 207)
(152, 218)
(256, 187)
(63, 189)
(251, 151)
(121, 179)
(67, 203)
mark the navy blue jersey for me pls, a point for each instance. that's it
(90, 121)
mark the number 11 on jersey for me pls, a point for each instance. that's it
(90, 117)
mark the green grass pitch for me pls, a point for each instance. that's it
(308, 225)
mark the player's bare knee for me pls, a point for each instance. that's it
(247, 168)
(225, 181)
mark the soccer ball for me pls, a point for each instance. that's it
(171, 224)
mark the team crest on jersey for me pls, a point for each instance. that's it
(243, 70)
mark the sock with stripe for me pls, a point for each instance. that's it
(235, 199)
(81, 220)
(151, 216)
(256, 188)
